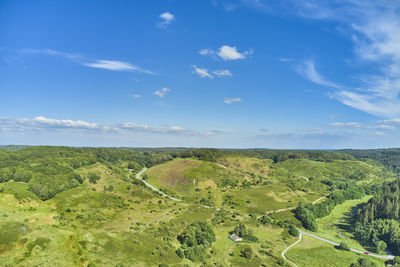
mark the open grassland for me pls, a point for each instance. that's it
(313, 252)
(128, 225)
(257, 188)
(337, 225)
(92, 211)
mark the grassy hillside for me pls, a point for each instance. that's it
(109, 218)
(312, 252)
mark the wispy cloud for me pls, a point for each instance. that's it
(226, 53)
(162, 92)
(44, 124)
(205, 73)
(202, 72)
(136, 96)
(166, 19)
(115, 65)
(360, 125)
(221, 73)
(232, 100)
(308, 71)
(373, 26)
(112, 65)
(374, 29)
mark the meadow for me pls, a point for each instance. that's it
(104, 216)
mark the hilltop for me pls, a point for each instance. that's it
(86, 207)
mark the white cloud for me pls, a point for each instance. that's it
(374, 29)
(308, 71)
(206, 51)
(65, 123)
(227, 52)
(166, 19)
(346, 124)
(391, 121)
(161, 93)
(221, 73)
(362, 126)
(202, 72)
(44, 124)
(112, 65)
(136, 96)
(232, 100)
(370, 103)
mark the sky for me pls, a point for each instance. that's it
(300, 74)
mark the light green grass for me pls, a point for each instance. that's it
(313, 252)
(329, 225)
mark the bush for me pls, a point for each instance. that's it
(344, 246)
(195, 239)
(93, 177)
(180, 253)
(380, 247)
(293, 230)
(246, 253)
(363, 262)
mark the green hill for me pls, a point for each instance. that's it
(84, 206)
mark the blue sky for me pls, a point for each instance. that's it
(243, 73)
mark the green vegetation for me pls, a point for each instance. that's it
(377, 221)
(68, 206)
(195, 239)
(313, 252)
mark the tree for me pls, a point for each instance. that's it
(380, 247)
(306, 217)
(363, 262)
(93, 177)
(195, 239)
(246, 253)
(293, 230)
(344, 246)
(180, 253)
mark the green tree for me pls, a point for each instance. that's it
(344, 246)
(380, 247)
(246, 253)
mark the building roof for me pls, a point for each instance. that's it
(234, 237)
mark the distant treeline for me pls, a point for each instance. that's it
(212, 154)
(390, 157)
(282, 155)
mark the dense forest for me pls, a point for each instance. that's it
(388, 157)
(377, 221)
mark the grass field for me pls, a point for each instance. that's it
(312, 252)
(336, 226)
(118, 222)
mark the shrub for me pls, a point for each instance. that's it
(344, 246)
(246, 253)
(293, 230)
(93, 177)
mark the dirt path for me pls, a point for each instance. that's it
(283, 252)
(138, 176)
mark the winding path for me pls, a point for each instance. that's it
(138, 176)
(385, 257)
(301, 233)
(283, 252)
